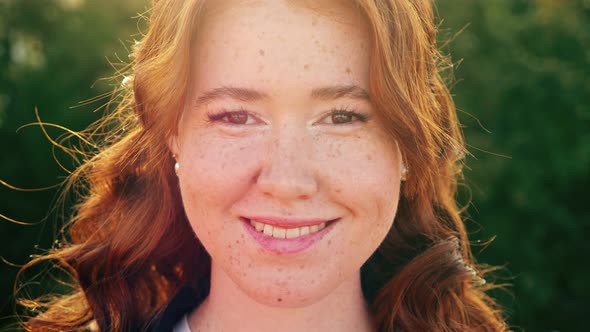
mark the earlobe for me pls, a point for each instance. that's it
(173, 147)
(404, 167)
(404, 172)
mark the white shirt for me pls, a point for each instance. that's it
(182, 325)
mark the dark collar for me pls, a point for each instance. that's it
(185, 301)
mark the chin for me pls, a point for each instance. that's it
(283, 295)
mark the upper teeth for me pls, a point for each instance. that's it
(286, 233)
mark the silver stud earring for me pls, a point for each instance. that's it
(404, 172)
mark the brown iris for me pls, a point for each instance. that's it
(341, 118)
(237, 118)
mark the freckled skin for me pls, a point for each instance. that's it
(290, 163)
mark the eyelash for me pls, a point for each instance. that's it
(215, 117)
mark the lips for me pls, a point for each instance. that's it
(291, 240)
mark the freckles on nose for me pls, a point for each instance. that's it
(287, 166)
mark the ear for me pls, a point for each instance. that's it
(172, 143)
(402, 162)
(400, 155)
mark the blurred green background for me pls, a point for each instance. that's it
(522, 90)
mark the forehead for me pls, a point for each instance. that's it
(280, 45)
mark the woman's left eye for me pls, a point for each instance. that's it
(343, 117)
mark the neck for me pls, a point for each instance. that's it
(228, 308)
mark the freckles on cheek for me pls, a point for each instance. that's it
(214, 170)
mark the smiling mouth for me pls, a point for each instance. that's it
(286, 233)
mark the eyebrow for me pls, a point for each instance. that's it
(340, 91)
(246, 94)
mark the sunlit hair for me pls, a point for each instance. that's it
(129, 247)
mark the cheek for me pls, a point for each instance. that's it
(215, 170)
(363, 168)
(214, 174)
(364, 175)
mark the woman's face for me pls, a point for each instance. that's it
(280, 130)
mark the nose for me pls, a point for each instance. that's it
(287, 171)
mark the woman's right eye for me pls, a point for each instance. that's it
(233, 118)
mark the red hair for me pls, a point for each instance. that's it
(130, 247)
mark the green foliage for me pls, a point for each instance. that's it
(52, 55)
(524, 76)
(522, 90)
